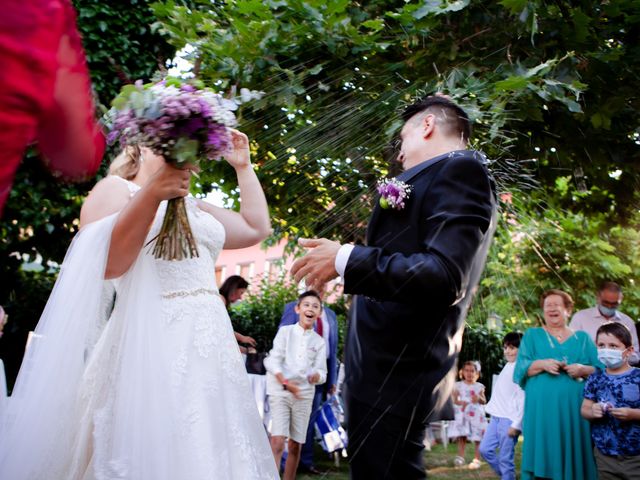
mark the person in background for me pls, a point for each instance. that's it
(608, 300)
(45, 92)
(552, 363)
(612, 404)
(470, 421)
(231, 291)
(296, 364)
(506, 408)
(327, 327)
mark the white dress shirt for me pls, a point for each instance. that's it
(297, 353)
(342, 257)
(507, 398)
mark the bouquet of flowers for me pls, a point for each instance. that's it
(186, 124)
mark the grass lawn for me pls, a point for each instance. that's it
(439, 463)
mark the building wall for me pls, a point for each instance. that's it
(252, 263)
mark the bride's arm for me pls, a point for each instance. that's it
(136, 214)
(252, 223)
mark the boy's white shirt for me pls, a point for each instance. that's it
(507, 398)
(297, 353)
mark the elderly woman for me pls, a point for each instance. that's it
(552, 363)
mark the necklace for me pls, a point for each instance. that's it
(559, 336)
(566, 333)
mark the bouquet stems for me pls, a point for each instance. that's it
(175, 240)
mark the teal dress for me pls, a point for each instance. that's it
(557, 440)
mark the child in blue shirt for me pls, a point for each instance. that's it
(612, 404)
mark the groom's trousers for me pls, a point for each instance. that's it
(383, 445)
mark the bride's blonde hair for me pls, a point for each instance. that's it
(127, 163)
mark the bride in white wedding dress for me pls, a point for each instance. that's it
(159, 391)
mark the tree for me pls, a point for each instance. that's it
(549, 81)
(539, 245)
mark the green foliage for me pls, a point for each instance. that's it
(540, 245)
(258, 314)
(485, 346)
(552, 81)
(120, 43)
(25, 303)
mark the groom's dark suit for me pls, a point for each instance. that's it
(415, 279)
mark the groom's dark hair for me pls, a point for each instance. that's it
(453, 119)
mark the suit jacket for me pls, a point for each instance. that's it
(289, 317)
(415, 281)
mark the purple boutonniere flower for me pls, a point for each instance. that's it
(393, 193)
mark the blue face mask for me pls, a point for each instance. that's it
(611, 357)
(607, 311)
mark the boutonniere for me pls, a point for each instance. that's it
(393, 193)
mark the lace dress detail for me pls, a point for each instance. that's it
(213, 423)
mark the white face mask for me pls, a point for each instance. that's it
(611, 357)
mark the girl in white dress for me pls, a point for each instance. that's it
(470, 419)
(159, 391)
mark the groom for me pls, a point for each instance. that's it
(415, 280)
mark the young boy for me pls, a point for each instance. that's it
(297, 362)
(612, 403)
(506, 408)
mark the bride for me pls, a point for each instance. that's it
(159, 391)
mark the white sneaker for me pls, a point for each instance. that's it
(475, 464)
(458, 461)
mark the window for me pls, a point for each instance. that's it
(245, 270)
(274, 268)
(220, 274)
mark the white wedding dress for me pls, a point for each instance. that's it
(162, 392)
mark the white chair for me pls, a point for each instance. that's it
(436, 431)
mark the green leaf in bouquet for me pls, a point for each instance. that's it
(186, 151)
(119, 102)
(123, 97)
(137, 101)
(173, 81)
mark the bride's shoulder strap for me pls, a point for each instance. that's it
(133, 187)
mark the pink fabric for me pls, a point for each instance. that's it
(45, 92)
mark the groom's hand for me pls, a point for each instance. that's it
(317, 267)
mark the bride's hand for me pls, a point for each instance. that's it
(169, 182)
(238, 156)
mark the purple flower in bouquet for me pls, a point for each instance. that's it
(393, 193)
